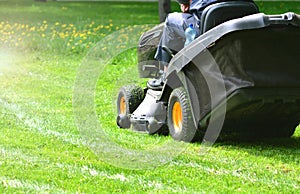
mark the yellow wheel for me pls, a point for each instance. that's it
(180, 120)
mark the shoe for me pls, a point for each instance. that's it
(156, 84)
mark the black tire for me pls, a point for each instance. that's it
(129, 98)
(180, 121)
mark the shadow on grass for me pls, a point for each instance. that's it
(279, 143)
(263, 140)
(286, 150)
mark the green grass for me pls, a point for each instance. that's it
(41, 148)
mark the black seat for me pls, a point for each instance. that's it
(218, 13)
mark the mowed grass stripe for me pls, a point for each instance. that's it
(241, 167)
(31, 158)
(15, 185)
(21, 157)
(32, 122)
(22, 164)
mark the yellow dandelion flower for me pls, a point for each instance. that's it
(61, 35)
(91, 24)
(7, 26)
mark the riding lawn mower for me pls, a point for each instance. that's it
(240, 77)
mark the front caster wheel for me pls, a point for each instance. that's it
(129, 98)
